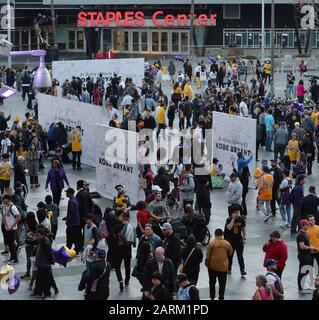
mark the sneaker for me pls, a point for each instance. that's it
(267, 217)
(121, 286)
(305, 291)
(5, 252)
(30, 288)
(243, 273)
(283, 225)
(13, 262)
(35, 295)
(288, 225)
(56, 291)
(25, 277)
(229, 272)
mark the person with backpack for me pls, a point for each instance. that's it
(125, 238)
(95, 280)
(296, 196)
(285, 204)
(10, 219)
(273, 280)
(187, 290)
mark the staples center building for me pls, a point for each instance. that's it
(160, 27)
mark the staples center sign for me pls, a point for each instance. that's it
(137, 19)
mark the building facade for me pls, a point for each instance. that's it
(238, 24)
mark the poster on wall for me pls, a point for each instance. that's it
(71, 114)
(232, 134)
(124, 68)
(111, 171)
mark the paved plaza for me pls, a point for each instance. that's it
(238, 288)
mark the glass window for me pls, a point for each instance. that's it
(144, 38)
(184, 42)
(107, 39)
(226, 39)
(25, 40)
(164, 41)
(267, 39)
(238, 39)
(80, 40)
(155, 41)
(175, 40)
(136, 42)
(250, 41)
(126, 41)
(244, 39)
(71, 39)
(231, 11)
(16, 41)
(117, 40)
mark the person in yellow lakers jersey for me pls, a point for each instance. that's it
(76, 147)
(5, 172)
(265, 185)
(257, 175)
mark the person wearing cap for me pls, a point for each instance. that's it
(158, 207)
(19, 172)
(15, 124)
(281, 141)
(313, 234)
(276, 249)
(187, 290)
(305, 249)
(298, 131)
(56, 178)
(277, 174)
(273, 280)
(72, 221)
(165, 267)
(172, 244)
(234, 191)
(95, 280)
(121, 201)
(158, 290)
(235, 234)
(217, 262)
(296, 196)
(76, 147)
(265, 186)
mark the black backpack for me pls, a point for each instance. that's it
(97, 215)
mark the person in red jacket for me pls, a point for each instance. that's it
(99, 55)
(276, 249)
(109, 54)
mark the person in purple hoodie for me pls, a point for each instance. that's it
(56, 177)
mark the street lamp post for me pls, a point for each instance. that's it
(272, 46)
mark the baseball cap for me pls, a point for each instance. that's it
(303, 222)
(156, 188)
(264, 161)
(270, 262)
(166, 226)
(156, 275)
(101, 253)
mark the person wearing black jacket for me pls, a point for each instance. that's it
(19, 174)
(315, 295)
(203, 199)
(111, 222)
(192, 257)
(188, 111)
(85, 204)
(309, 205)
(165, 267)
(307, 146)
(172, 245)
(158, 290)
(278, 177)
(44, 262)
(244, 180)
(58, 157)
(4, 121)
(162, 181)
(96, 279)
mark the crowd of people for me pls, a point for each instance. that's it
(177, 200)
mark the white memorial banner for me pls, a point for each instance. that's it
(125, 68)
(71, 114)
(232, 134)
(111, 171)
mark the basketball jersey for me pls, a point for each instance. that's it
(267, 182)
